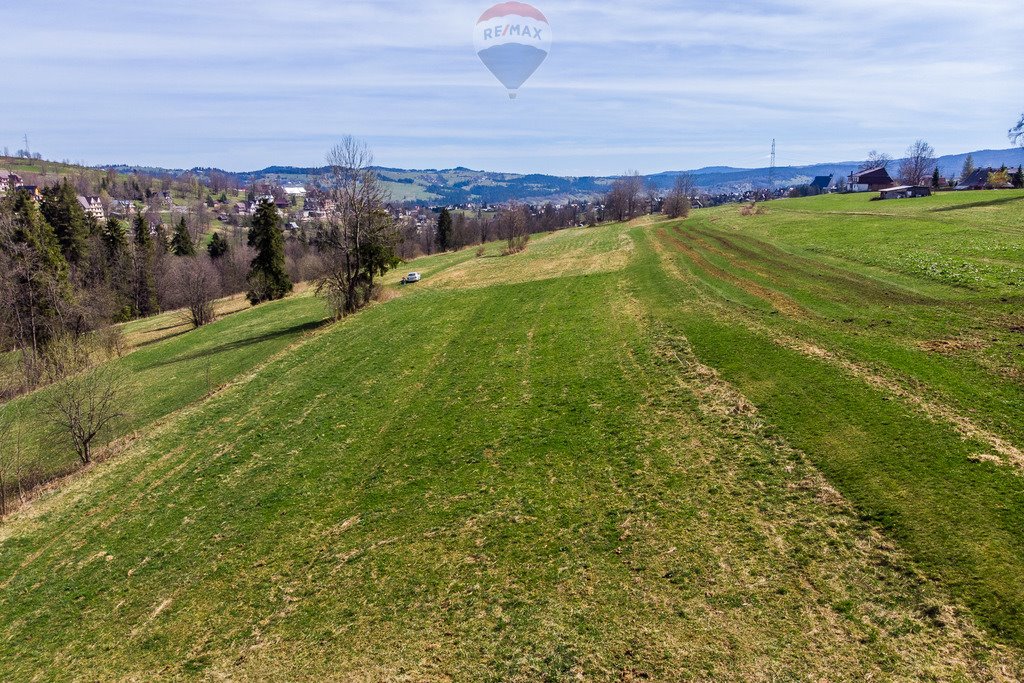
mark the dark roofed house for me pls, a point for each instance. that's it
(978, 180)
(33, 191)
(871, 180)
(822, 182)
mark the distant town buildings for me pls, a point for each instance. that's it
(9, 181)
(93, 207)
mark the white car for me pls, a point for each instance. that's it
(413, 277)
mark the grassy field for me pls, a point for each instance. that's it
(169, 367)
(780, 446)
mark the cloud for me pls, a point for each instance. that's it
(647, 84)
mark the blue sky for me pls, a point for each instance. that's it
(646, 85)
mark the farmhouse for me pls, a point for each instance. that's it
(9, 181)
(33, 191)
(93, 207)
(978, 180)
(906, 192)
(822, 183)
(871, 180)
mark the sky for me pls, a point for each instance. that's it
(643, 85)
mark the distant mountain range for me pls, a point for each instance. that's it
(464, 185)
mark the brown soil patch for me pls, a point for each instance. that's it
(777, 299)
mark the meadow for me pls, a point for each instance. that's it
(766, 445)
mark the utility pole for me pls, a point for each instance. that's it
(771, 169)
(28, 152)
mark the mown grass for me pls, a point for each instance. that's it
(953, 502)
(530, 468)
(169, 367)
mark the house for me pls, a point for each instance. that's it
(241, 208)
(870, 180)
(822, 183)
(93, 207)
(122, 207)
(33, 191)
(906, 192)
(9, 181)
(979, 180)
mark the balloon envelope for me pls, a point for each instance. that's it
(512, 39)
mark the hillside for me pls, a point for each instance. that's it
(462, 185)
(780, 444)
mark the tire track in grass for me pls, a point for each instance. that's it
(783, 303)
(1006, 453)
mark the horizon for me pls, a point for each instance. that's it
(247, 86)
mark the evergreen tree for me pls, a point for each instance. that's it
(39, 291)
(218, 246)
(117, 254)
(268, 279)
(181, 241)
(936, 178)
(144, 299)
(444, 230)
(68, 219)
(1018, 178)
(114, 238)
(968, 168)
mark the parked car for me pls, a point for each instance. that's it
(411, 278)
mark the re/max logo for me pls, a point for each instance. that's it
(512, 30)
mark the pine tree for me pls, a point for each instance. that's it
(936, 178)
(144, 299)
(38, 271)
(444, 230)
(114, 238)
(218, 246)
(268, 279)
(968, 168)
(66, 216)
(1018, 178)
(181, 241)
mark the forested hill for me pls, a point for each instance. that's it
(461, 185)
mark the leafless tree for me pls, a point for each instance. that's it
(513, 227)
(678, 203)
(876, 159)
(359, 238)
(196, 285)
(83, 403)
(918, 165)
(625, 200)
(1017, 133)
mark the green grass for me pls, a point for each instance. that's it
(172, 368)
(611, 457)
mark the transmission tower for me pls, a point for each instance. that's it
(771, 169)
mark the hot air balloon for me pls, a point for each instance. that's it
(512, 39)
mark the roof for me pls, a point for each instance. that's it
(822, 181)
(869, 171)
(978, 177)
(904, 188)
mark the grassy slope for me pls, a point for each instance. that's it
(172, 367)
(525, 469)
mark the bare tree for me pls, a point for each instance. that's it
(918, 165)
(625, 199)
(82, 404)
(513, 227)
(359, 239)
(196, 285)
(1017, 133)
(678, 203)
(876, 159)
